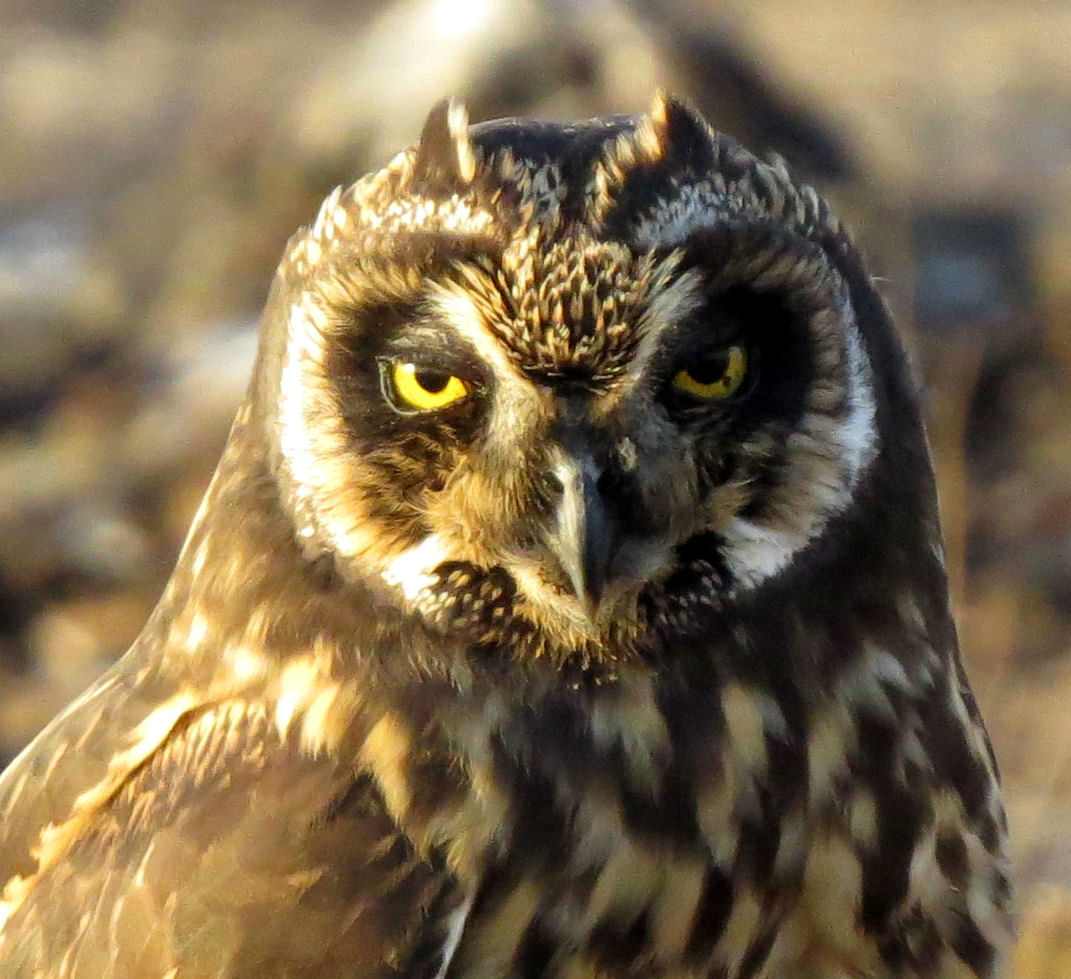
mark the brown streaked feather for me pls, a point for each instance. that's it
(329, 885)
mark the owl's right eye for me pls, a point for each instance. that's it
(411, 387)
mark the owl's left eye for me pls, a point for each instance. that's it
(415, 387)
(713, 377)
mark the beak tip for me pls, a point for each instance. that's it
(589, 583)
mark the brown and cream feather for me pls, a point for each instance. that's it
(586, 671)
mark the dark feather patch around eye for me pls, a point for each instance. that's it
(379, 336)
(778, 346)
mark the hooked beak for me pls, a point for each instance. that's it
(587, 534)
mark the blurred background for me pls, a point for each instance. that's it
(156, 155)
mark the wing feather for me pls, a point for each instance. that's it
(224, 850)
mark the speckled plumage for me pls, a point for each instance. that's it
(574, 677)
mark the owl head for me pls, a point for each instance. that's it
(563, 385)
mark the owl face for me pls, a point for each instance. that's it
(567, 385)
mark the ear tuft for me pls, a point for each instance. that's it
(445, 153)
(680, 134)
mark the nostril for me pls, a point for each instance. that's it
(626, 455)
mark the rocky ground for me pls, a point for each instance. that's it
(157, 155)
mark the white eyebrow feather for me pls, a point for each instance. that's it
(668, 309)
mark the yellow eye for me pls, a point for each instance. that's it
(424, 388)
(714, 378)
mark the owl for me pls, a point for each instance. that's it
(569, 601)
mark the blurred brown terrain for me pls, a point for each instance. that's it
(156, 156)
